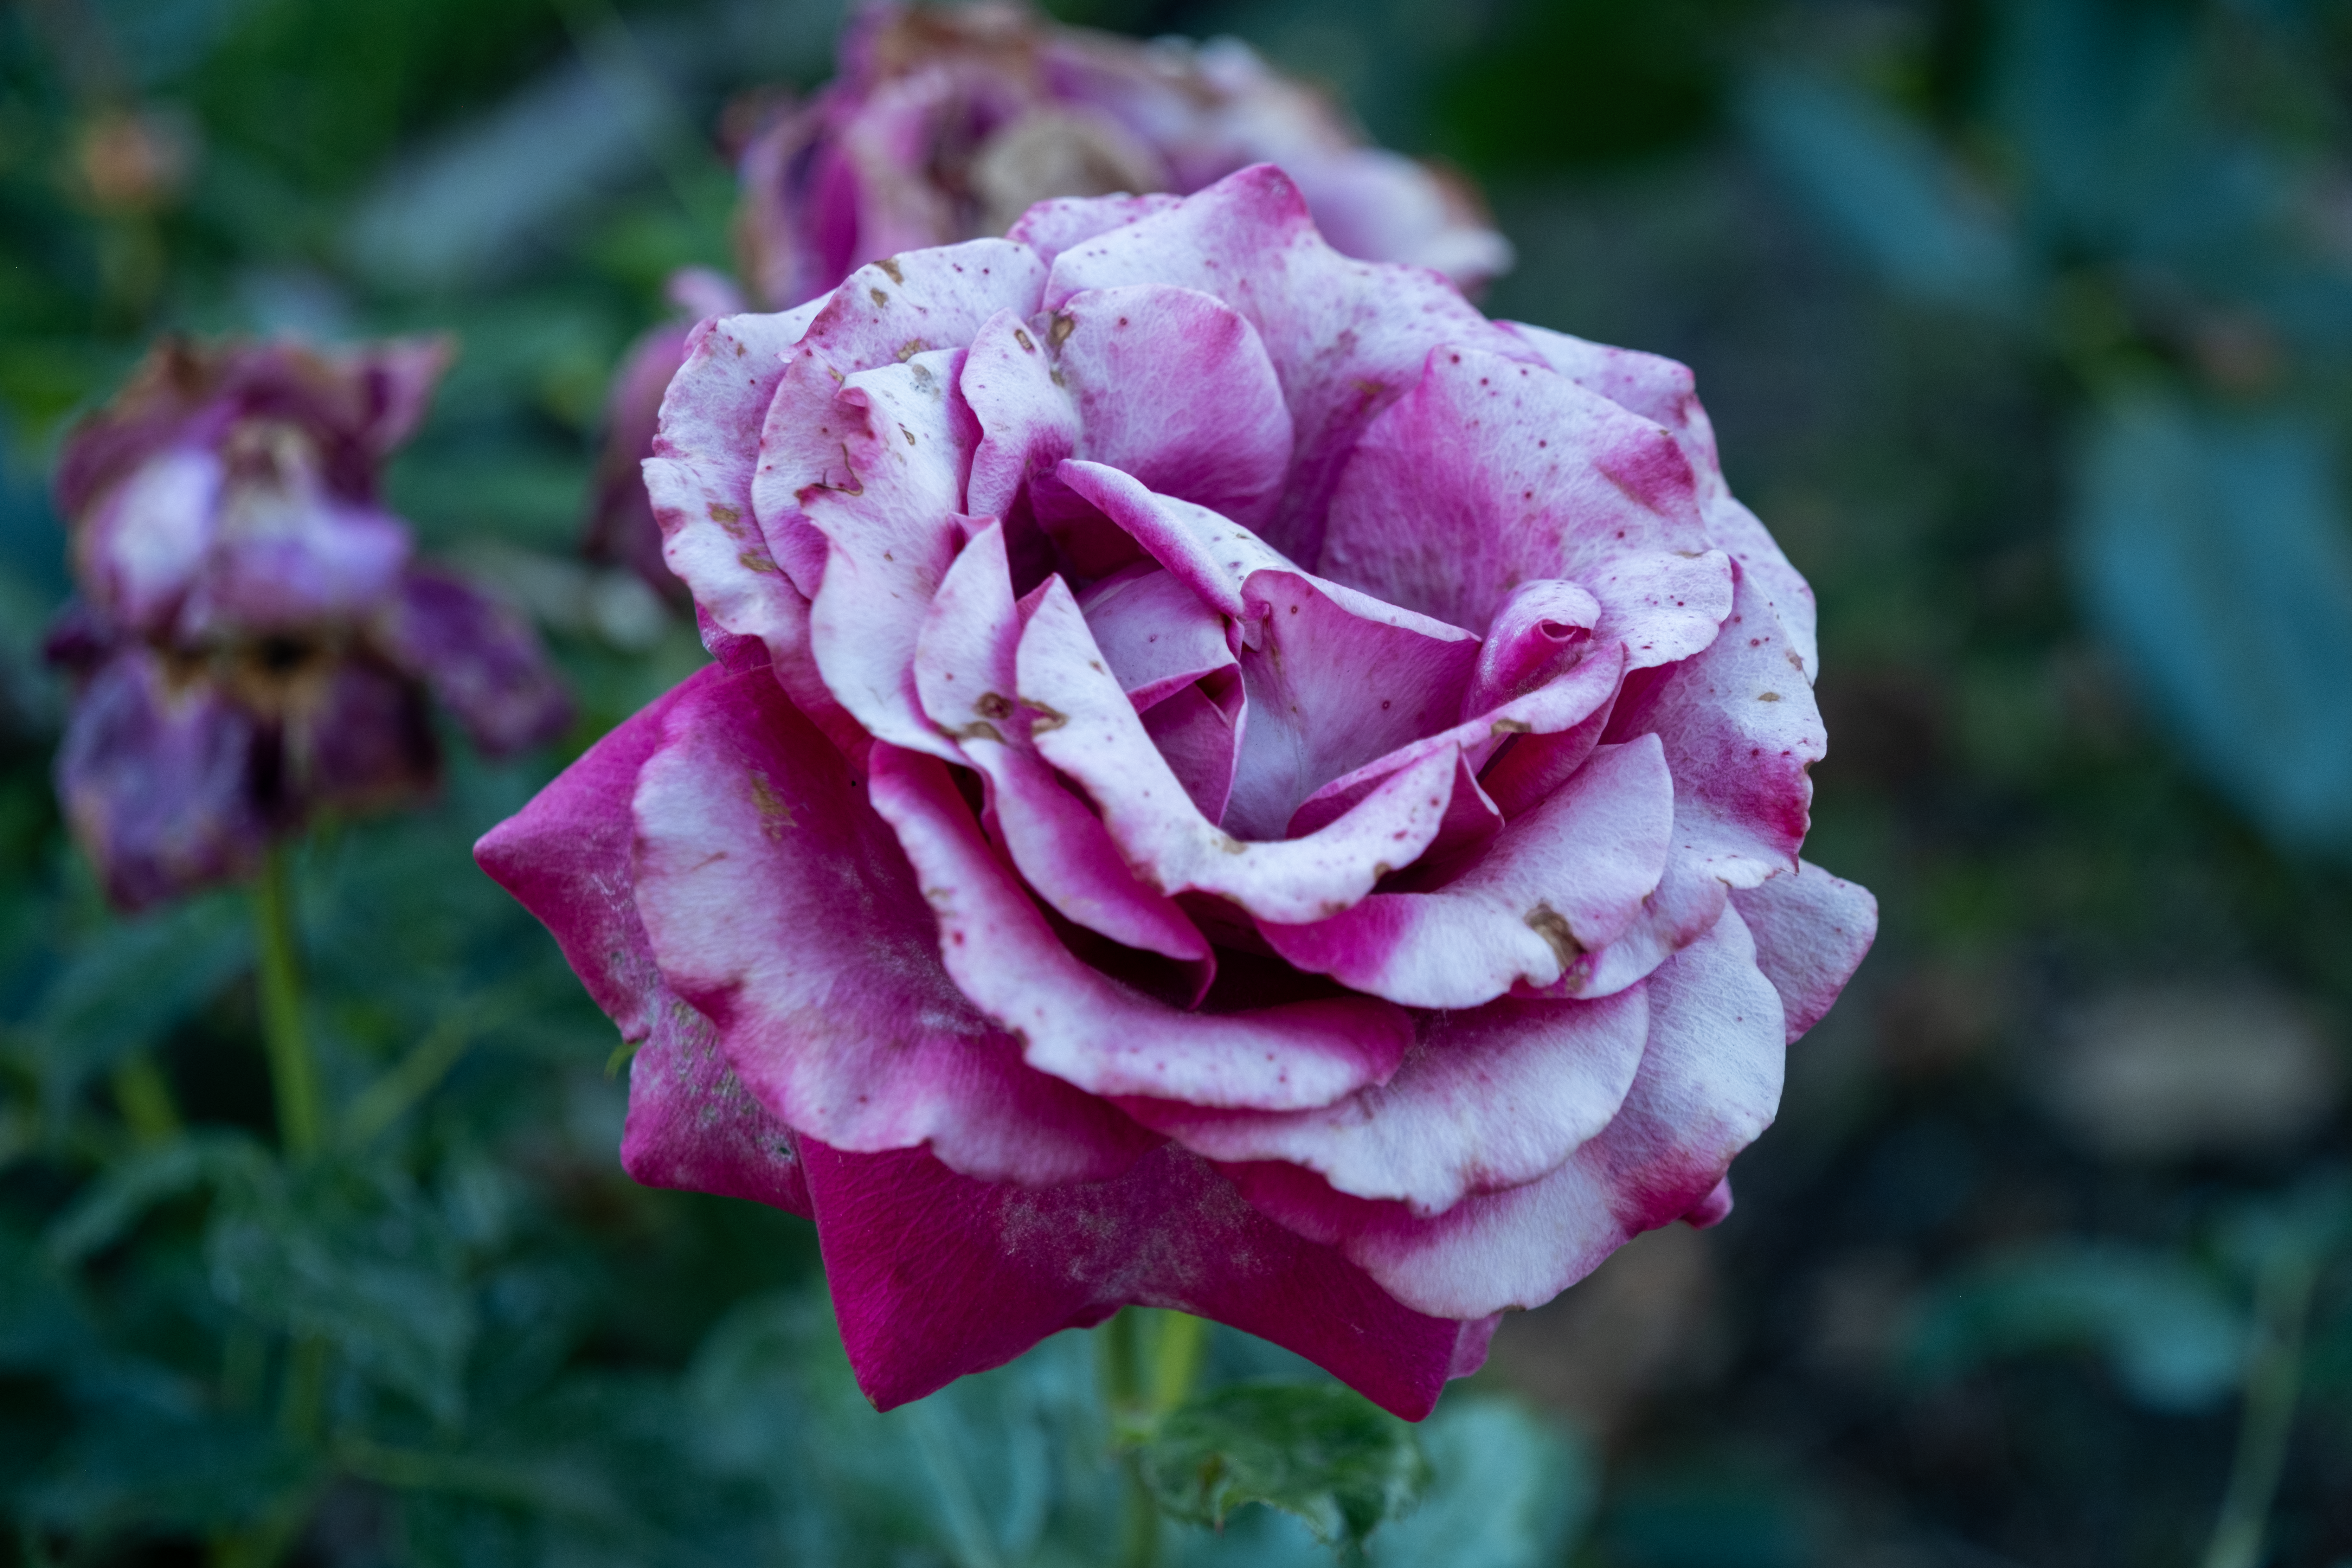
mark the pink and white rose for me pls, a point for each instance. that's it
(1232, 782)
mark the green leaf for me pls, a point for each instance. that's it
(1507, 1490)
(1316, 1451)
(228, 1162)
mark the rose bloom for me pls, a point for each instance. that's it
(251, 640)
(946, 123)
(1232, 783)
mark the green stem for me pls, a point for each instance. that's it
(2273, 1378)
(1118, 1346)
(1176, 1360)
(144, 1098)
(292, 1075)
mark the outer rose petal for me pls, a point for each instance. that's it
(157, 779)
(1490, 1098)
(1566, 877)
(1490, 474)
(1084, 1027)
(1741, 728)
(1812, 932)
(1687, 906)
(934, 1275)
(778, 906)
(1344, 336)
(693, 1125)
(925, 300)
(1089, 731)
(565, 858)
(699, 479)
(480, 659)
(1658, 389)
(1050, 227)
(1709, 1083)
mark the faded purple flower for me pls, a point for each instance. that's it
(1234, 782)
(252, 638)
(948, 123)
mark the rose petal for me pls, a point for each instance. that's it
(1541, 631)
(964, 668)
(705, 451)
(480, 659)
(1334, 680)
(1174, 389)
(1209, 553)
(1709, 1084)
(1660, 390)
(1688, 902)
(1050, 227)
(693, 1126)
(925, 300)
(1195, 736)
(1812, 932)
(778, 905)
(1086, 1028)
(1090, 732)
(565, 858)
(1490, 1098)
(1490, 473)
(1741, 728)
(934, 1275)
(891, 529)
(1566, 877)
(1156, 634)
(1344, 337)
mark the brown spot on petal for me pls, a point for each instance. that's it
(1231, 844)
(1059, 334)
(774, 815)
(723, 513)
(751, 563)
(1510, 727)
(992, 705)
(1552, 926)
(1767, 697)
(1022, 338)
(1047, 718)
(890, 264)
(878, 296)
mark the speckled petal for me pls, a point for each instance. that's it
(1812, 932)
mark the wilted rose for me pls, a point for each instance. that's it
(252, 639)
(946, 123)
(1234, 782)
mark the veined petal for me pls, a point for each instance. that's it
(779, 906)
(1489, 1098)
(1082, 1026)
(1566, 877)
(1812, 932)
(934, 1275)
(1709, 1082)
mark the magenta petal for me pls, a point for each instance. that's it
(1660, 390)
(1687, 904)
(1740, 729)
(1051, 228)
(1157, 634)
(964, 670)
(1489, 1098)
(699, 479)
(157, 779)
(479, 659)
(1195, 737)
(1812, 932)
(1081, 1025)
(1344, 337)
(692, 1124)
(1490, 473)
(1209, 553)
(1028, 424)
(1334, 680)
(779, 906)
(1089, 731)
(935, 1276)
(1174, 389)
(1541, 631)
(565, 858)
(892, 529)
(1566, 877)
(1709, 1083)
(925, 300)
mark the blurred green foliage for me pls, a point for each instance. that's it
(1932, 262)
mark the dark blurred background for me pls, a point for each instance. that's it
(2022, 325)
